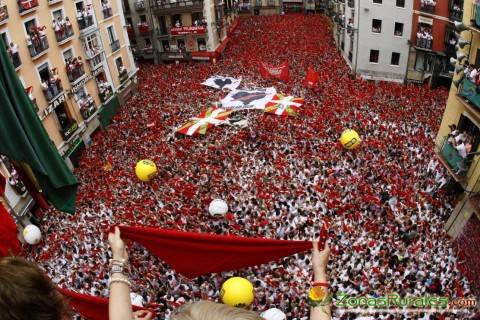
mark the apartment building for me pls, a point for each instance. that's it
(139, 24)
(74, 60)
(373, 37)
(433, 41)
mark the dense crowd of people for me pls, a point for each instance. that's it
(283, 178)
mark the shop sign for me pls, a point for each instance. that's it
(52, 106)
(188, 30)
(79, 85)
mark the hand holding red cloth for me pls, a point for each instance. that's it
(194, 254)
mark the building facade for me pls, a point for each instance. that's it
(170, 31)
(74, 60)
(373, 37)
(433, 41)
(463, 111)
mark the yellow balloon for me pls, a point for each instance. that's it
(237, 292)
(145, 170)
(350, 139)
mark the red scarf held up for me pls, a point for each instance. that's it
(90, 307)
(194, 254)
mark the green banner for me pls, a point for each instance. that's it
(24, 139)
(471, 92)
(108, 111)
(453, 158)
(477, 14)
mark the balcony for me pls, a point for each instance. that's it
(163, 7)
(87, 107)
(68, 132)
(143, 28)
(107, 12)
(105, 91)
(456, 165)
(85, 22)
(469, 97)
(15, 57)
(456, 11)
(63, 34)
(424, 43)
(75, 71)
(123, 75)
(115, 45)
(427, 6)
(139, 5)
(475, 21)
(37, 45)
(94, 58)
(27, 6)
(51, 89)
(3, 14)
(51, 2)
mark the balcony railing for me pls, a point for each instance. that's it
(15, 57)
(115, 45)
(68, 132)
(451, 158)
(104, 91)
(3, 13)
(75, 72)
(476, 16)
(25, 6)
(427, 7)
(424, 43)
(123, 76)
(87, 108)
(140, 5)
(173, 5)
(51, 89)
(130, 30)
(107, 12)
(85, 21)
(94, 58)
(37, 45)
(64, 33)
(143, 28)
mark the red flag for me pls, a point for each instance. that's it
(280, 72)
(90, 307)
(194, 254)
(324, 232)
(9, 242)
(311, 80)
(3, 182)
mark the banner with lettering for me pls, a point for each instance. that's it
(280, 72)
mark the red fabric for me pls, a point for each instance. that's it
(312, 78)
(280, 72)
(3, 181)
(9, 243)
(90, 307)
(194, 254)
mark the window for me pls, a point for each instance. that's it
(111, 34)
(119, 63)
(374, 56)
(129, 21)
(68, 55)
(398, 29)
(62, 116)
(166, 45)
(202, 45)
(197, 18)
(376, 25)
(377, 1)
(143, 18)
(395, 59)
(148, 42)
(400, 3)
(43, 72)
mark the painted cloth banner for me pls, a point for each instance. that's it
(207, 119)
(312, 78)
(90, 307)
(248, 98)
(9, 242)
(471, 92)
(282, 105)
(280, 72)
(194, 254)
(221, 82)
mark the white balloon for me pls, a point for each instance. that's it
(32, 234)
(218, 207)
(273, 314)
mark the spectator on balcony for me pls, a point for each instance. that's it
(13, 51)
(68, 26)
(472, 73)
(46, 90)
(178, 24)
(31, 47)
(428, 3)
(80, 19)
(58, 28)
(105, 5)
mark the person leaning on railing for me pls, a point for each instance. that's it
(120, 307)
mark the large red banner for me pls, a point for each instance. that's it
(175, 31)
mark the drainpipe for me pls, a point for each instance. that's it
(358, 36)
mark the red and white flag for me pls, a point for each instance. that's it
(280, 72)
(282, 105)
